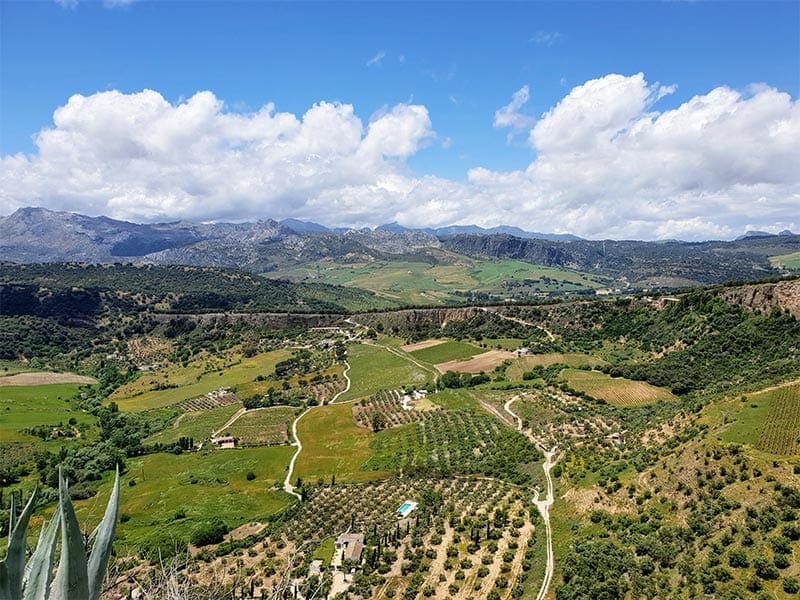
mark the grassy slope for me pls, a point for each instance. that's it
(761, 420)
(263, 426)
(196, 424)
(30, 405)
(374, 368)
(446, 352)
(789, 261)
(423, 283)
(571, 359)
(163, 487)
(139, 395)
(334, 445)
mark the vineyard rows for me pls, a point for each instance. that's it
(211, 400)
(780, 431)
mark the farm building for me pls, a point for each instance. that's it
(225, 441)
(406, 508)
(351, 545)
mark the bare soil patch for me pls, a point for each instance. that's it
(482, 362)
(421, 345)
(45, 378)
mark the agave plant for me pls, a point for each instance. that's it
(80, 572)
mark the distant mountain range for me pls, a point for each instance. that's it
(33, 235)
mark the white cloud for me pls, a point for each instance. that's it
(547, 38)
(607, 164)
(138, 156)
(509, 115)
(377, 59)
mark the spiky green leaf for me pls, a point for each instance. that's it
(71, 581)
(39, 572)
(12, 569)
(103, 535)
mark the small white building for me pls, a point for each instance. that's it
(225, 441)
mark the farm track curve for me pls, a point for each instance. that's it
(287, 483)
(543, 506)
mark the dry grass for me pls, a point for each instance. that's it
(482, 362)
(615, 390)
(421, 345)
(45, 379)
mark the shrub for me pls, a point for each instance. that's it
(210, 532)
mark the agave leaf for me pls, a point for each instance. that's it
(12, 569)
(71, 581)
(103, 535)
(39, 572)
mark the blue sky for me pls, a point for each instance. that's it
(461, 61)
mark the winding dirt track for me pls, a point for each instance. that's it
(543, 506)
(549, 333)
(287, 483)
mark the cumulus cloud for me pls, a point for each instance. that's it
(138, 156)
(608, 164)
(510, 115)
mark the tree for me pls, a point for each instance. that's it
(378, 421)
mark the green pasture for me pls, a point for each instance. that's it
(24, 406)
(197, 425)
(789, 261)
(334, 445)
(447, 351)
(455, 399)
(768, 420)
(12, 367)
(374, 368)
(202, 485)
(196, 379)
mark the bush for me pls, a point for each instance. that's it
(791, 585)
(210, 532)
(250, 476)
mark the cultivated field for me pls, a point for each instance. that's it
(45, 379)
(389, 405)
(781, 430)
(615, 390)
(423, 283)
(373, 368)
(482, 362)
(768, 420)
(570, 359)
(197, 425)
(263, 426)
(421, 345)
(447, 351)
(334, 445)
(788, 261)
(155, 389)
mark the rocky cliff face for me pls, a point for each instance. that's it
(766, 296)
(414, 317)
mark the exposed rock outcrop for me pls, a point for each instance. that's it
(766, 296)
